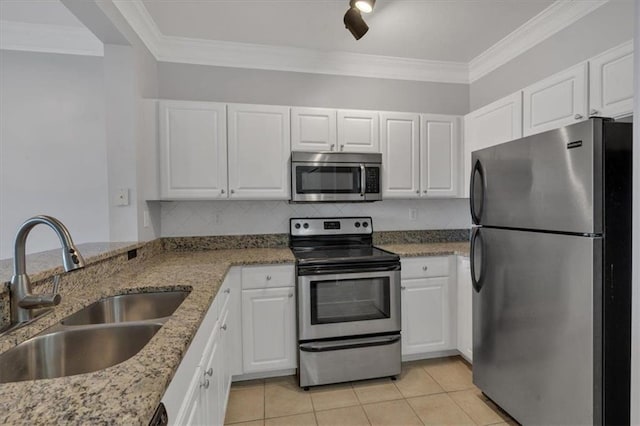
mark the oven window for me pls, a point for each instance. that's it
(327, 180)
(350, 300)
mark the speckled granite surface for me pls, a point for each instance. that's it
(424, 236)
(127, 393)
(428, 249)
(46, 263)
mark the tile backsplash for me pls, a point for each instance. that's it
(196, 218)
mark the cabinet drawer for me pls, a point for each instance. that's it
(425, 267)
(268, 276)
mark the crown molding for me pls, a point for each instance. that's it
(32, 37)
(554, 18)
(551, 20)
(282, 58)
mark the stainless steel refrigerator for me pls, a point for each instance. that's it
(551, 271)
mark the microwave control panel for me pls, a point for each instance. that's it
(372, 176)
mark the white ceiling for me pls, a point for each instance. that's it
(48, 12)
(444, 30)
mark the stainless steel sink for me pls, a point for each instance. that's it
(70, 351)
(128, 307)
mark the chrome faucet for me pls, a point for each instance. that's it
(23, 302)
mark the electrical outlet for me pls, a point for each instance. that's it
(413, 213)
(122, 197)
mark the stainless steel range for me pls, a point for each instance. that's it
(348, 301)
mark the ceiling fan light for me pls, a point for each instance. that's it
(354, 23)
(365, 6)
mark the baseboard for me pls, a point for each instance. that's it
(264, 375)
(429, 355)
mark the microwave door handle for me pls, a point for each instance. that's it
(363, 180)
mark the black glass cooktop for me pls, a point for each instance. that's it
(341, 254)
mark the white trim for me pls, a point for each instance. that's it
(554, 18)
(32, 37)
(551, 20)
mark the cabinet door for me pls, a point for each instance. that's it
(498, 122)
(439, 155)
(212, 382)
(193, 150)
(191, 412)
(425, 315)
(313, 129)
(556, 101)
(268, 329)
(611, 82)
(465, 325)
(400, 155)
(358, 131)
(259, 151)
(226, 361)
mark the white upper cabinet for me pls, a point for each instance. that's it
(193, 150)
(358, 131)
(259, 151)
(556, 101)
(313, 129)
(498, 122)
(399, 142)
(611, 82)
(439, 155)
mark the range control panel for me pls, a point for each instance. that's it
(330, 226)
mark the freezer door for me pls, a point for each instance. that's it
(536, 351)
(550, 181)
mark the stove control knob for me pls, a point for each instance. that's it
(365, 224)
(297, 226)
(306, 226)
(357, 224)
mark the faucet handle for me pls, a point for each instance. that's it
(56, 284)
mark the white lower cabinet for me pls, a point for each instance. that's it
(427, 305)
(268, 329)
(465, 317)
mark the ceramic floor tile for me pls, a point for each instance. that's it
(285, 398)
(482, 411)
(308, 419)
(450, 373)
(376, 391)
(347, 416)
(253, 423)
(391, 413)
(333, 396)
(245, 404)
(414, 381)
(439, 409)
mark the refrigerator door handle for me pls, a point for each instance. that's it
(476, 213)
(476, 282)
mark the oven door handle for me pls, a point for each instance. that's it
(349, 344)
(357, 269)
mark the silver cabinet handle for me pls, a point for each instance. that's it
(333, 145)
(342, 147)
(424, 191)
(290, 295)
(578, 117)
(418, 191)
(233, 191)
(222, 191)
(228, 290)
(268, 277)
(209, 372)
(205, 384)
(224, 327)
(424, 268)
(594, 112)
(402, 287)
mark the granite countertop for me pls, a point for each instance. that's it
(428, 249)
(44, 264)
(129, 392)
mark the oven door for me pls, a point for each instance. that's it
(350, 303)
(333, 181)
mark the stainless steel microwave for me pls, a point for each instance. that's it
(335, 176)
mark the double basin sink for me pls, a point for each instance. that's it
(98, 336)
